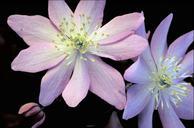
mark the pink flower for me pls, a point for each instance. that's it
(158, 75)
(33, 112)
(69, 45)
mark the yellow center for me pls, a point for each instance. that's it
(164, 80)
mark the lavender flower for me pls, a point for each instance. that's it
(158, 75)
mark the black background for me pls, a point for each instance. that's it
(17, 88)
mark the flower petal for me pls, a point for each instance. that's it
(137, 98)
(138, 72)
(179, 47)
(118, 28)
(28, 108)
(92, 10)
(58, 10)
(145, 117)
(37, 58)
(130, 47)
(168, 116)
(159, 39)
(185, 110)
(106, 82)
(77, 88)
(146, 55)
(141, 30)
(33, 29)
(54, 82)
(186, 66)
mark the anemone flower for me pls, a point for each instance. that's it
(68, 45)
(158, 75)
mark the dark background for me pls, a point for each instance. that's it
(18, 88)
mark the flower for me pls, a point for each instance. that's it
(68, 45)
(33, 113)
(158, 75)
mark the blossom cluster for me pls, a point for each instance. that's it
(69, 45)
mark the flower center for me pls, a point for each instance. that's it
(81, 44)
(167, 73)
(72, 37)
(166, 79)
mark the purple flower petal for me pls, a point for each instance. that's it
(141, 30)
(146, 55)
(107, 83)
(145, 117)
(184, 109)
(58, 10)
(179, 47)
(138, 72)
(54, 82)
(137, 98)
(168, 116)
(37, 58)
(77, 88)
(159, 39)
(186, 66)
(93, 11)
(33, 29)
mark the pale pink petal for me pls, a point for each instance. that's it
(92, 10)
(28, 107)
(37, 58)
(168, 116)
(58, 10)
(77, 88)
(185, 109)
(187, 65)
(138, 72)
(159, 39)
(145, 117)
(54, 82)
(179, 47)
(118, 28)
(137, 98)
(130, 47)
(106, 82)
(33, 29)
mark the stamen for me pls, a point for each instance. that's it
(164, 79)
(83, 58)
(92, 60)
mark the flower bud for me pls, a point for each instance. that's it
(33, 113)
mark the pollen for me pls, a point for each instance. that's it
(164, 81)
(74, 37)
